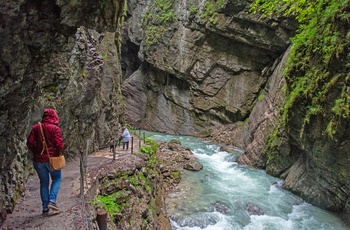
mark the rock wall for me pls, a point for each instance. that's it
(60, 54)
(220, 74)
(195, 75)
(309, 145)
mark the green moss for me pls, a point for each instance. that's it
(153, 34)
(210, 10)
(144, 224)
(176, 175)
(146, 149)
(152, 171)
(152, 143)
(133, 180)
(150, 148)
(109, 203)
(341, 106)
(152, 161)
(269, 148)
(148, 188)
(152, 208)
(146, 183)
(261, 97)
(331, 128)
(157, 21)
(315, 71)
(193, 9)
(48, 97)
(119, 18)
(51, 89)
(205, 133)
(142, 177)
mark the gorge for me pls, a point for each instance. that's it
(206, 68)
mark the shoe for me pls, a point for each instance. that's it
(53, 206)
(45, 212)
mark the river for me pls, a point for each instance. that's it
(228, 196)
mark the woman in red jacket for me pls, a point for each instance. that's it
(55, 144)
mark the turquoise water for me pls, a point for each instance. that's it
(218, 197)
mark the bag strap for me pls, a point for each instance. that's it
(44, 141)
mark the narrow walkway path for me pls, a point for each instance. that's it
(27, 212)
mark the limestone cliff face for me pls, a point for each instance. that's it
(309, 147)
(60, 54)
(199, 74)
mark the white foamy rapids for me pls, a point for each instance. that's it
(228, 196)
(207, 149)
(302, 217)
(213, 148)
(216, 161)
(265, 222)
(280, 200)
(233, 179)
(306, 216)
(222, 224)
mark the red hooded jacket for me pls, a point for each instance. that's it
(53, 136)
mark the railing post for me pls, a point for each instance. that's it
(101, 219)
(139, 138)
(86, 154)
(132, 145)
(113, 149)
(82, 187)
(82, 176)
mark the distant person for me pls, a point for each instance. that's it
(55, 144)
(125, 136)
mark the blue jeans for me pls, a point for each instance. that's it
(44, 172)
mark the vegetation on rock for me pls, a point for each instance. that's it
(315, 68)
(157, 20)
(311, 139)
(210, 10)
(133, 191)
(108, 202)
(126, 193)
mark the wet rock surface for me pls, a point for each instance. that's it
(59, 54)
(199, 74)
(254, 210)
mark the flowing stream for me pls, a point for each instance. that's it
(228, 196)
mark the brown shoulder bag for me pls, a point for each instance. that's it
(56, 163)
